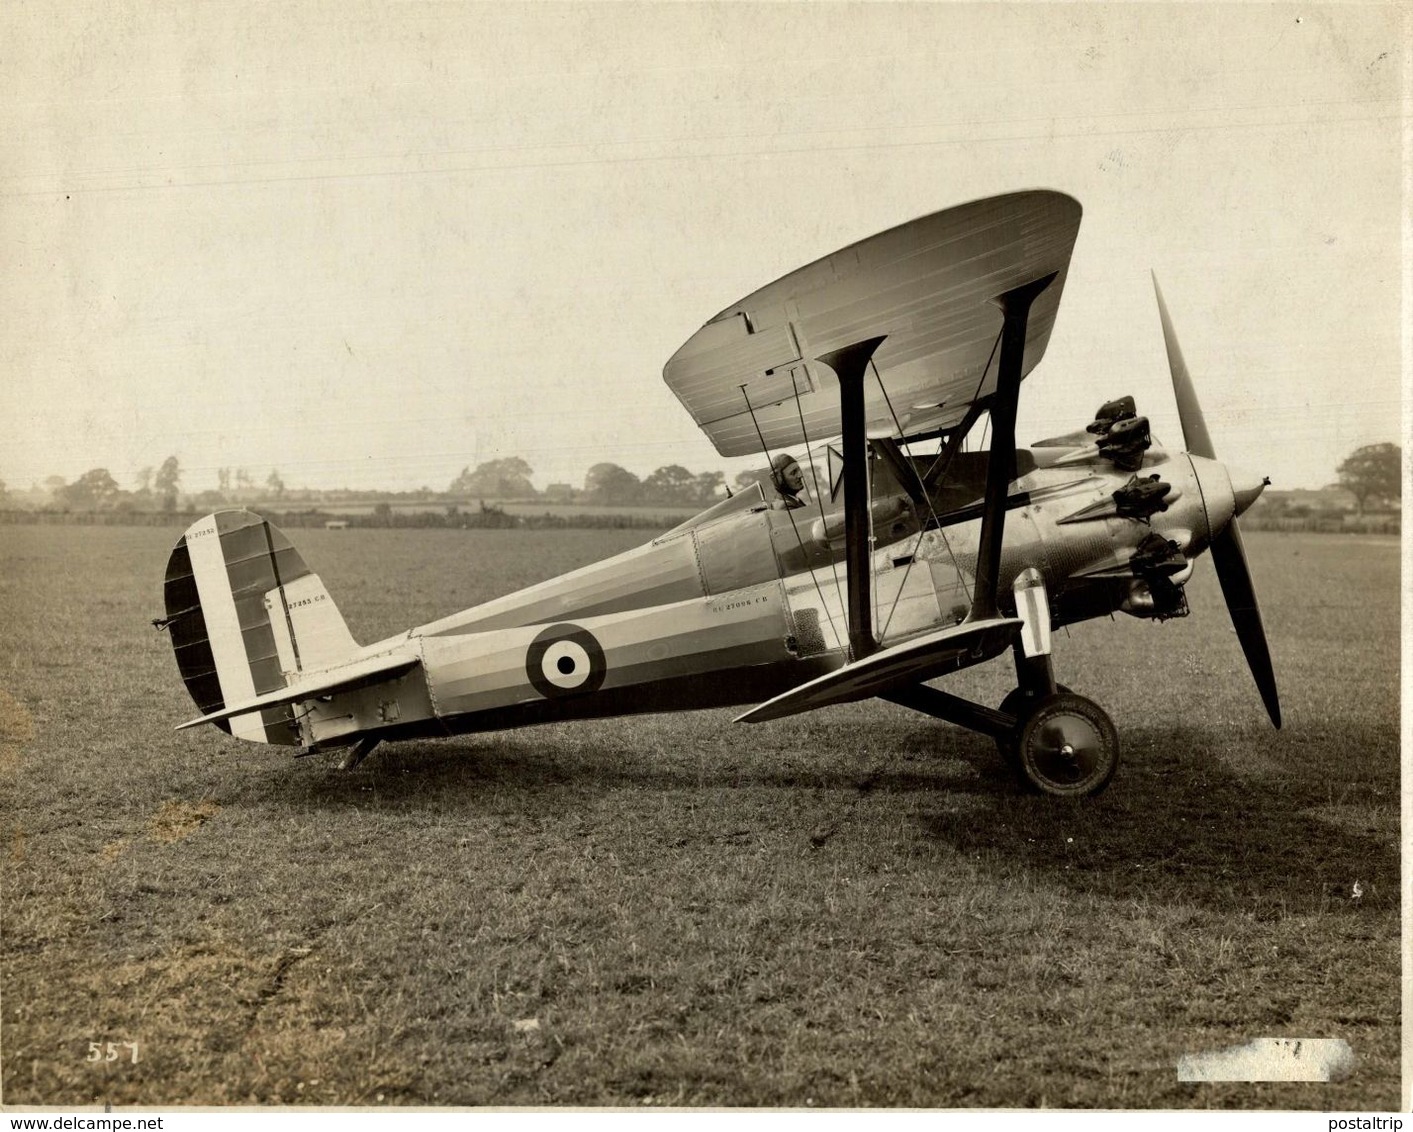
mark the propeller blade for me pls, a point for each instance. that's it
(1194, 426)
(1229, 556)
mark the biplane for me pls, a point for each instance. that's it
(875, 571)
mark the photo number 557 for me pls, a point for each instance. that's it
(112, 1051)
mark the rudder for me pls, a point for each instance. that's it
(245, 612)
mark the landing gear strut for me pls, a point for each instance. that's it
(1059, 743)
(359, 753)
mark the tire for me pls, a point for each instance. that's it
(1067, 747)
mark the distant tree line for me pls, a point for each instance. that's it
(1372, 475)
(502, 480)
(672, 485)
(610, 485)
(158, 489)
(489, 517)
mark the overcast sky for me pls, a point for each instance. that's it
(369, 246)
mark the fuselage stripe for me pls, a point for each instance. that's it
(208, 565)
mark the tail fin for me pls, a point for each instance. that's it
(245, 614)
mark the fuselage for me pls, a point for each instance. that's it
(748, 599)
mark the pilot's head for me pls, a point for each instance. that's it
(786, 474)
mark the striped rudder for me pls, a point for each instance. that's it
(245, 613)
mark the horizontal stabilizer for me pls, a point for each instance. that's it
(949, 650)
(345, 678)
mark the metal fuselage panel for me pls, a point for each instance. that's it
(750, 604)
(712, 651)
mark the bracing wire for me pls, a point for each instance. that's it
(756, 423)
(799, 539)
(883, 632)
(819, 500)
(932, 513)
(975, 394)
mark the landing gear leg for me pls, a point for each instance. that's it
(1035, 680)
(360, 752)
(1035, 675)
(1061, 744)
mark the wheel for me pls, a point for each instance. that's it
(1067, 746)
(1016, 703)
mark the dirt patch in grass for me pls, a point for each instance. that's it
(16, 730)
(176, 820)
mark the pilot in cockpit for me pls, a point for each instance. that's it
(788, 479)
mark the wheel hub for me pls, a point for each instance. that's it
(1067, 746)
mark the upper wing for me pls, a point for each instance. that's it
(927, 285)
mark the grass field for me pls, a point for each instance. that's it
(848, 909)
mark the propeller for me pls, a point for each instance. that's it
(1228, 555)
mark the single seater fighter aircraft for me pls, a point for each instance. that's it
(893, 570)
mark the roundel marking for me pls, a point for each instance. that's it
(565, 660)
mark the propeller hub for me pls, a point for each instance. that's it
(1226, 491)
(1246, 487)
(1218, 499)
